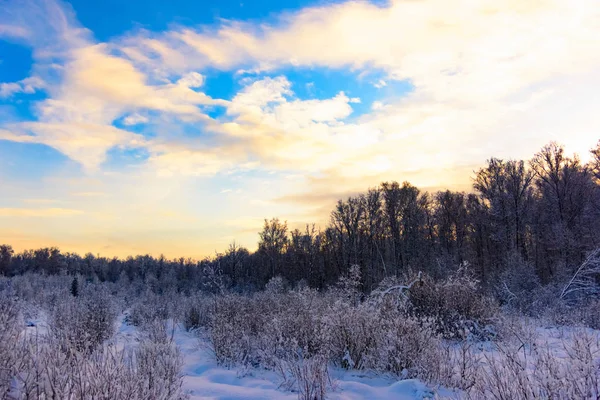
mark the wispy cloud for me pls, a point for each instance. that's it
(135, 119)
(41, 201)
(38, 212)
(13, 31)
(89, 194)
(27, 85)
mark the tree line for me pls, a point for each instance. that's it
(539, 216)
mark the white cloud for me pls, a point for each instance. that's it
(135, 119)
(261, 93)
(377, 105)
(380, 83)
(303, 112)
(8, 89)
(475, 68)
(486, 75)
(192, 80)
(86, 143)
(27, 85)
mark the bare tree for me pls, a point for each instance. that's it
(565, 190)
(6, 253)
(506, 186)
(595, 163)
(451, 223)
(345, 219)
(273, 242)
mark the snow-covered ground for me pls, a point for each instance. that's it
(205, 380)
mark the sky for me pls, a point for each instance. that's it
(134, 127)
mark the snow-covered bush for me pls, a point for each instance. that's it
(192, 319)
(275, 285)
(232, 321)
(158, 370)
(517, 283)
(542, 371)
(294, 326)
(76, 357)
(454, 305)
(197, 312)
(382, 339)
(405, 347)
(268, 328)
(151, 371)
(83, 323)
(150, 307)
(592, 314)
(352, 335)
(10, 328)
(309, 377)
(457, 365)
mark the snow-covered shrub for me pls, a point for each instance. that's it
(197, 312)
(158, 370)
(352, 336)
(265, 327)
(581, 313)
(517, 283)
(73, 359)
(149, 307)
(270, 328)
(457, 365)
(275, 285)
(592, 314)
(518, 330)
(294, 326)
(348, 286)
(405, 346)
(157, 331)
(454, 305)
(232, 321)
(543, 371)
(82, 323)
(151, 371)
(380, 338)
(192, 319)
(10, 328)
(309, 377)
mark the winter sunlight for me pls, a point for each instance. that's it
(299, 199)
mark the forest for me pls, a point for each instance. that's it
(536, 218)
(494, 293)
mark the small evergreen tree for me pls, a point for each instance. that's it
(75, 287)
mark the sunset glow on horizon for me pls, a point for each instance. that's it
(176, 129)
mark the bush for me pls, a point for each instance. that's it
(148, 308)
(592, 314)
(158, 370)
(454, 305)
(268, 328)
(543, 372)
(83, 323)
(197, 313)
(310, 377)
(516, 285)
(10, 328)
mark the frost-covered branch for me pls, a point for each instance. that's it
(585, 278)
(400, 288)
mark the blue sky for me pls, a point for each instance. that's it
(176, 127)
